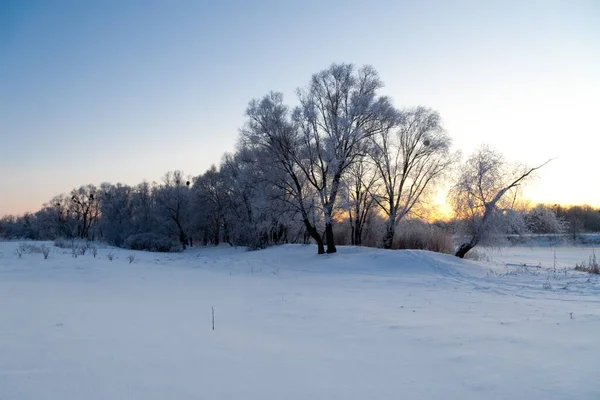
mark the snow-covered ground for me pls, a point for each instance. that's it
(361, 324)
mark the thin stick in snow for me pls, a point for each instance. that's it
(213, 318)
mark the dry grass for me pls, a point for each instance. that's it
(591, 267)
(422, 236)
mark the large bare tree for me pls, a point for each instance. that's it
(410, 156)
(339, 110)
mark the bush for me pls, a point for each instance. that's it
(152, 242)
(29, 248)
(415, 234)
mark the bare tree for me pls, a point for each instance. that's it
(338, 111)
(484, 196)
(212, 198)
(143, 208)
(57, 217)
(359, 201)
(410, 157)
(116, 219)
(255, 212)
(84, 208)
(173, 201)
(272, 135)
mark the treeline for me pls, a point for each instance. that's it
(342, 166)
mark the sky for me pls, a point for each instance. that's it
(124, 91)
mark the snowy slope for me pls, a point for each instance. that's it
(361, 324)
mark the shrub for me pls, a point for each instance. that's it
(152, 242)
(45, 251)
(19, 252)
(29, 248)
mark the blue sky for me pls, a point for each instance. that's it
(121, 91)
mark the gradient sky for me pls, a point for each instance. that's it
(121, 91)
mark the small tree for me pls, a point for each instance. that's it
(484, 197)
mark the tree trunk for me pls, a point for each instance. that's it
(464, 249)
(388, 238)
(312, 231)
(330, 240)
(359, 231)
(217, 235)
(182, 239)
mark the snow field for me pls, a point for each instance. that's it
(361, 324)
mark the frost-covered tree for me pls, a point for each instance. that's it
(277, 149)
(211, 198)
(255, 213)
(116, 212)
(173, 205)
(144, 209)
(339, 110)
(484, 197)
(55, 219)
(542, 219)
(358, 200)
(24, 226)
(410, 156)
(84, 209)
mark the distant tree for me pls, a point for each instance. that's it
(173, 205)
(84, 210)
(580, 219)
(57, 219)
(410, 156)
(116, 208)
(211, 198)
(484, 197)
(542, 219)
(144, 208)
